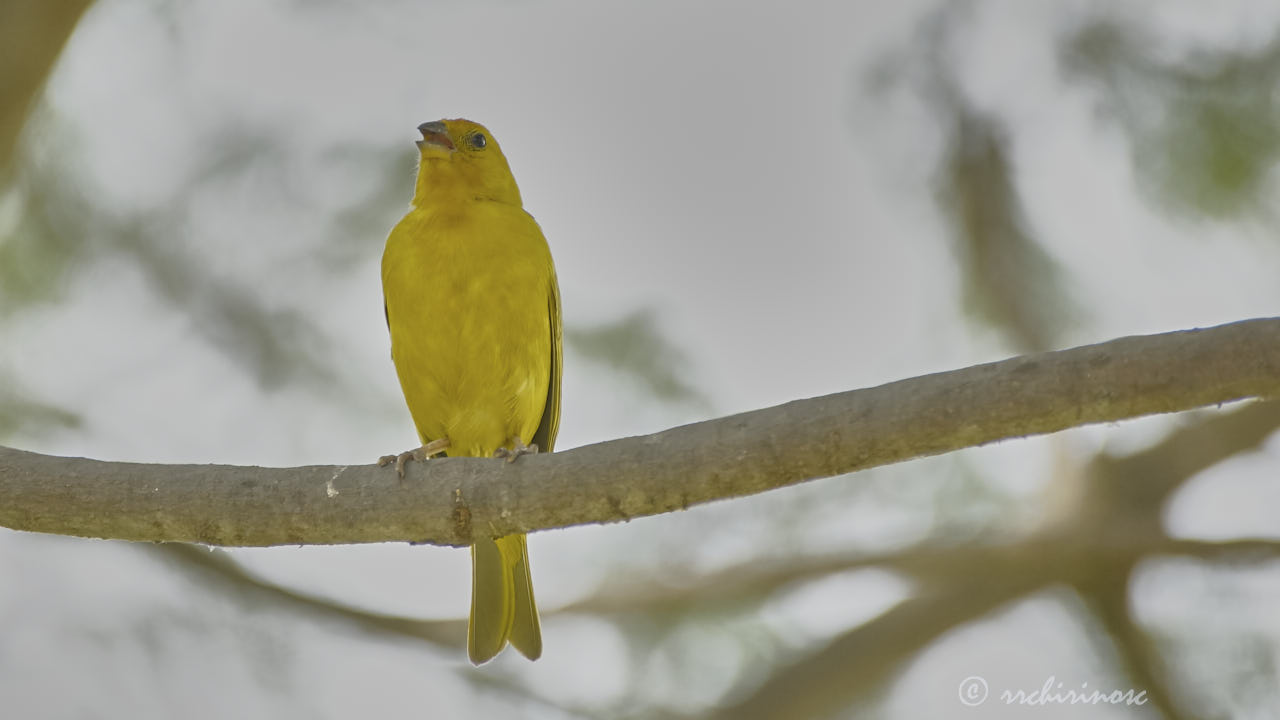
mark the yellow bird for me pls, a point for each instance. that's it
(474, 313)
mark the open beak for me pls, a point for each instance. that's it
(435, 133)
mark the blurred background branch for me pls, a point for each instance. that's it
(32, 34)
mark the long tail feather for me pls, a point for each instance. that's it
(526, 632)
(492, 601)
(502, 605)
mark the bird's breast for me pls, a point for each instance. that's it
(470, 335)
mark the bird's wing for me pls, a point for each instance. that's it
(545, 436)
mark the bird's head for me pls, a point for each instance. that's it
(460, 159)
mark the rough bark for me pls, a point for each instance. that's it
(445, 501)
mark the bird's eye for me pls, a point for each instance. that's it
(478, 141)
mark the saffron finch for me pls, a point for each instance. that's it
(473, 309)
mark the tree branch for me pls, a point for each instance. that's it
(445, 501)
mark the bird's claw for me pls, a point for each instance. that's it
(518, 448)
(435, 447)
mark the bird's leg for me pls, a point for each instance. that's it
(518, 449)
(435, 447)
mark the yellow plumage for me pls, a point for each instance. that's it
(474, 314)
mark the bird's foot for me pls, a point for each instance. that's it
(435, 447)
(518, 448)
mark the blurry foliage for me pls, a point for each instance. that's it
(636, 348)
(276, 346)
(1204, 128)
(360, 226)
(53, 227)
(21, 413)
(63, 229)
(1009, 280)
(1204, 135)
(44, 219)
